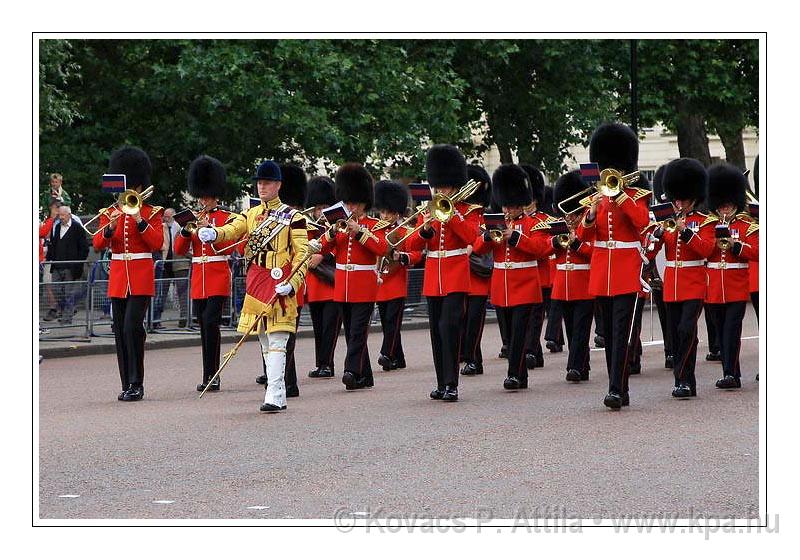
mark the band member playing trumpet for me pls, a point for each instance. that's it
(613, 223)
(211, 276)
(480, 279)
(277, 244)
(357, 250)
(571, 282)
(688, 241)
(446, 234)
(727, 267)
(515, 282)
(326, 315)
(133, 234)
(391, 200)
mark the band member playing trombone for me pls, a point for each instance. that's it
(688, 239)
(133, 233)
(728, 282)
(277, 243)
(211, 275)
(515, 282)
(613, 223)
(357, 250)
(326, 316)
(571, 281)
(446, 233)
(391, 200)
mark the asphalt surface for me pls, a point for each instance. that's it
(390, 451)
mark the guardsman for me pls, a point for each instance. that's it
(391, 201)
(515, 281)
(553, 333)
(211, 275)
(326, 316)
(534, 357)
(656, 282)
(614, 225)
(571, 282)
(276, 245)
(480, 274)
(687, 246)
(133, 238)
(753, 269)
(728, 279)
(357, 250)
(446, 282)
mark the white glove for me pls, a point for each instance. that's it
(283, 289)
(207, 234)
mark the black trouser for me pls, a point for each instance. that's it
(683, 317)
(472, 333)
(635, 350)
(666, 332)
(533, 344)
(209, 315)
(728, 319)
(519, 318)
(714, 343)
(326, 317)
(599, 326)
(754, 299)
(391, 313)
(617, 323)
(129, 336)
(578, 321)
(555, 316)
(502, 324)
(445, 317)
(356, 318)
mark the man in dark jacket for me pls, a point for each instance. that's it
(67, 243)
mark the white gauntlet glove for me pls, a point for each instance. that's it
(283, 289)
(207, 234)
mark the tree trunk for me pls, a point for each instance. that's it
(734, 146)
(692, 137)
(525, 153)
(505, 153)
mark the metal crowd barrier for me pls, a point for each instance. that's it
(63, 305)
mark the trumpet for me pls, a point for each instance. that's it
(128, 203)
(610, 184)
(192, 226)
(724, 243)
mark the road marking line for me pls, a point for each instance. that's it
(163, 501)
(70, 496)
(258, 507)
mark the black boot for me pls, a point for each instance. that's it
(399, 363)
(291, 391)
(713, 357)
(584, 376)
(530, 361)
(613, 401)
(385, 362)
(511, 383)
(450, 393)
(503, 352)
(729, 382)
(599, 341)
(261, 379)
(437, 394)
(122, 394)
(626, 399)
(669, 362)
(314, 372)
(469, 369)
(135, 393)
(268, 407)
(682, 391)
(539, 360)
(573, 376)
(554, 346)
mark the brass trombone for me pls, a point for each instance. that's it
(192, 226)
(724, 243)
(610, 184)
(129, 202)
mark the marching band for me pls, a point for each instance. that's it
(485, 242)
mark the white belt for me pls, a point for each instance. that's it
(352, 267)
(130, 256)
(723, 265)
(685, 264)
(512, 265)
(445, 254)
(209, 258)
(611, 244)
(572, 266)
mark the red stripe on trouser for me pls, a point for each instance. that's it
(692, 346)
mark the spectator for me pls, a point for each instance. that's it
(67, 243)
(171, 271)
(45, 228)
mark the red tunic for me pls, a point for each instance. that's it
(545, 281)
(685, 275)
(394, 285)
(728, 275)
(479, 285)
(571, 279)
(753, 274)
(211, 275)
(515, 280)
(44, 231)
(615, 235)
(131, 269)
(317, 289)
(356, 280)
(447, 263)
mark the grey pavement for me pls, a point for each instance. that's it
(390, 450)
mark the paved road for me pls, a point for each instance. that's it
(390, 450)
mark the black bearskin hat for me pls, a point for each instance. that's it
(132, 162)
(537, 183)
(685, 178)
(755, 177)
(354, 184)
(548, 205)
(320, 191)
(569, 184)
(512, 185)
(293, 185)
(391, 196)
(615, 146)
(726, 184)
(479, 174)
(446, 167)
(206, 177)
(658, 186)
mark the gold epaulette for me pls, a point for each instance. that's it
(710, 219)
(156, 210)
(745, 217)
(472, 208)
(543, 224)
(380, 224)
(640, 193)
(752, 229)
